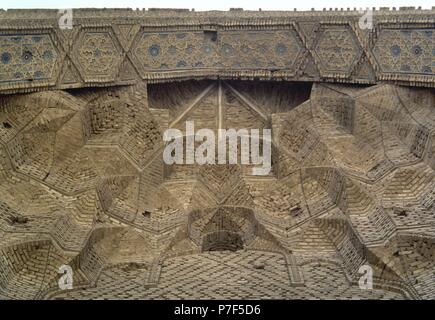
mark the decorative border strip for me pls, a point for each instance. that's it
(123, 47)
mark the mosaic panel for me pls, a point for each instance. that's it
(98, 55)
(406, 51)
(230, 49)
(337, 49)
(259, 49)
(25, 57)
(176, 50)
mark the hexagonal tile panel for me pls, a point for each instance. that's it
(98, 55)
(337, 50)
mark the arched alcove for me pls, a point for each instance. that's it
(222, 240)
